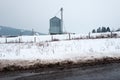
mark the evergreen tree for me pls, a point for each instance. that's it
(104, 29)
(108, 29)
(93, 31)
(99, 30)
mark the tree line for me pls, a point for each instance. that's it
(104, 29)
(101, 29)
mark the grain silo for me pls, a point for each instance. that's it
(56, 24)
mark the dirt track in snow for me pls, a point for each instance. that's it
(102, 71)
(6, 65)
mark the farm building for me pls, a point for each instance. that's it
(56, 24)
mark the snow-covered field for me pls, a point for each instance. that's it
(29, 50)
(61, 49)
(57, 51)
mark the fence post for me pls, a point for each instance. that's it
(51, 37)
(89, 35)
(34, 39)
(19, 40)
(111, 34)
(6, 40)
(69, 36)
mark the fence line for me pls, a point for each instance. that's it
(43, 38)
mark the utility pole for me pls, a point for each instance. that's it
(33, 32)
(61, 20)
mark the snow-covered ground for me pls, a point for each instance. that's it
(57, 51)
(61, 50)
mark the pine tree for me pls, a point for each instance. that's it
(99, 30)
(93, 31)
(108, 29)
(104, 29)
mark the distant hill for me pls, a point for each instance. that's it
(8, 31)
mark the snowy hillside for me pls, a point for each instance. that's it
(9, 31)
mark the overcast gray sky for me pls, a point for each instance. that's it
(80, 16)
